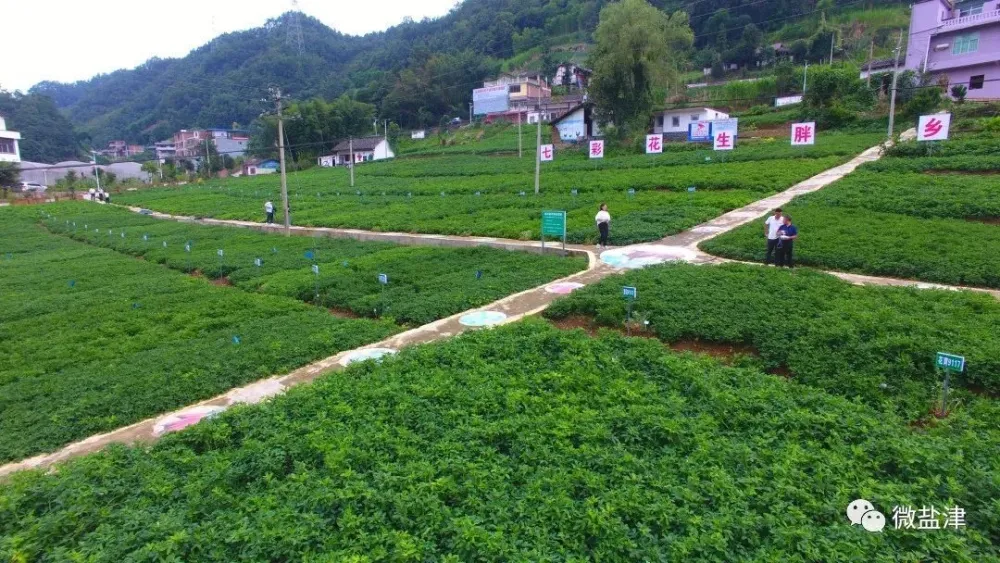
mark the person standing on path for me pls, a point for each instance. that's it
(787, 234)
(603, 219)
(771, 226)
(269, 211)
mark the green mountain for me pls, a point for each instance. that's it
(413, 73)
(47, 136)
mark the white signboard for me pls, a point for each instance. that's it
(933, 127)
(597, 149)
(546, 153)
(803, 134)
(700, 132)
(490, 100)
(418, 134)
(787, 101)
(724, 134)
(654, 144)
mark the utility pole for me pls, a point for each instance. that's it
(470, 113)
(805, 75)
(96, 175)
(281, 159)
(385, 129)
(208, 159)
(871, 53)
(895, 78)
(519, 134)
(538, 136)
(350, 148)
(833, 37)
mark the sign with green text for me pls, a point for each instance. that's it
(554, 223)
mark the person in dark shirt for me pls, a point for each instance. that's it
(787, 233)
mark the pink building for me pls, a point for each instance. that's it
(960, 42)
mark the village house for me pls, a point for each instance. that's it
(577, 124)
(365, 149)
(959, 42)
(674, 122)
(10, 150)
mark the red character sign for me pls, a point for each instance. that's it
(654, 144)
(933, 127)
(597, 149)
(723, 141)
(547, 153)
(803, 134)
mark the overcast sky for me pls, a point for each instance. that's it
(67, 40)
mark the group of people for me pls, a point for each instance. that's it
(99, 195)
(781, 235)
(778, 228)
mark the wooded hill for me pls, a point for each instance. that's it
(415, 73)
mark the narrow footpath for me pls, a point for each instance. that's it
(680, 247)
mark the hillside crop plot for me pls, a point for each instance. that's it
(94, 339)
(482, 195)
(524, 443)
(926, 212)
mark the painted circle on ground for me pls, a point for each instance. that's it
(482, 318)
(366, 354)
(183, 419)
(255, 393)
(643, 255)
(563, 288)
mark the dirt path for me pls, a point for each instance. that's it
(682, 246)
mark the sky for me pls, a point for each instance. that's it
(66, 40)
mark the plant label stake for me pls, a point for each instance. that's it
(258, 262)
(574, 192)
(630, 294)
(315, 270)
(479, 274)
(948, 363)
(631, 192)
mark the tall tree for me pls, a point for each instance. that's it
(638, 52)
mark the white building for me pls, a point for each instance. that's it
(10, 150)
(577, 124)
(365, 149)
(677, 120)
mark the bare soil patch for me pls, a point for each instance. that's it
(343, 312)
(984, 220)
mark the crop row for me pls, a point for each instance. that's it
(93, 340)
(889, 219)
(875, 345)
(646, 216)
(523, 443)
(424, 284)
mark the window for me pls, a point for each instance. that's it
(659, 121)
(7, 146)
(969, 8)
(965, 44)
(515, 89)
(675, 121)
(694, 117)
(976, 82)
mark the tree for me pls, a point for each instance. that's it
(638, 51)
(10, 176)
(958, 92)
(151, 167)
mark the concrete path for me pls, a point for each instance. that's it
(679, 247)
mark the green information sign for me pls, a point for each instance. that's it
(554, 224)
(950, 362)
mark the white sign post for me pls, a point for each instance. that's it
(933, 127)
(724, 134)
(547, 153)
(654, 144)
(597, 149)
(803, 134)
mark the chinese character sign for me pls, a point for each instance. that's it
(724, 134)
(597, 149)
(547, 153)
(803, 134)
(723, 141)
(654, 144)
(933, 127)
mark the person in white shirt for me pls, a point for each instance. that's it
(269, 211)
(603, 219)
(771, 226)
